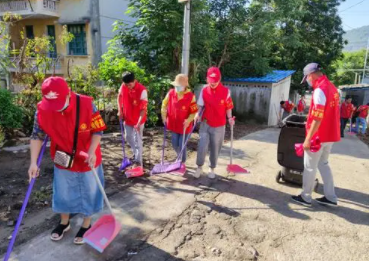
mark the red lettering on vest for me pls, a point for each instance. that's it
(329, 115)
(179, 111)
(216, 102)
(59, 126)
(130, 104)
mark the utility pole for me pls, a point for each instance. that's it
(365, 62)
(186, 37)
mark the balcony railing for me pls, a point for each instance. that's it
(33, 7)
(55, 66)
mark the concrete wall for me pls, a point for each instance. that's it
(111, 11)
(251, 100)
(280, 92)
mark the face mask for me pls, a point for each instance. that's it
(65, 105)
(179, 88)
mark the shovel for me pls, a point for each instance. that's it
(233, 168)
(103, 232)
(125, 162)
(138, 171)
(25, 202)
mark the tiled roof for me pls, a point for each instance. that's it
(274, 77)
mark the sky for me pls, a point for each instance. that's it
(354, 14)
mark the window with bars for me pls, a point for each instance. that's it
(78, 46)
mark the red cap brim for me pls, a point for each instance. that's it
(52, 105)
(212, 80)
(304, 79)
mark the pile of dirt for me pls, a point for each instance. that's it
(14, 177)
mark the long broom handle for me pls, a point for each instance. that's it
(163, 147)
(25, 202)
(123, 140)
(183, 137)
(231, 145)
(85, 155)
(189, 136)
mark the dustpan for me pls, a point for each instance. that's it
(161, 167)
(175, 166)
(103, 232)
(233, 168)
(125, 162)
(138, 171)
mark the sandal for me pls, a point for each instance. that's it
(80, 234)
(60, 230)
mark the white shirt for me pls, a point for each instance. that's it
(319, 97)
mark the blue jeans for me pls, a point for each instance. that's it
(361, 121)
(177, 145)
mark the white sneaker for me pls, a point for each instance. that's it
(198, 172)
(211, 174)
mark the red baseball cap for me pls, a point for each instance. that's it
(214, 75)
(54, 91)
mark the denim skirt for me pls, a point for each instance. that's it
(77, 192)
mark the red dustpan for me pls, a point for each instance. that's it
(233, 168)
(103, 232)
(138, 171)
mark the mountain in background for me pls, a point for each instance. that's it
(357, 39)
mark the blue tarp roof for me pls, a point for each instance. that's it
(274, 77)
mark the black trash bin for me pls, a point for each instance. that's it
(292, 132)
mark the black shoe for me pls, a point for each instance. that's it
(326, 202)
(298, 199)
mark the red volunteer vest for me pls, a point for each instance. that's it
(329, 130)
(179, 111)
(363, 111)
(216, 105)
(131, 104)
(301, 106)
(346, 110)
(288, 106)
(60, 128)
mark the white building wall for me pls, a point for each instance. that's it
(72, 11)
(111, 11)
(280, 92)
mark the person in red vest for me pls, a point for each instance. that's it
(132, 109)
(287, 108)
(323, 123)
(61, 115)
(346, 112)
(301, 105)
(217, 103)
(362, 118)
(178, 111)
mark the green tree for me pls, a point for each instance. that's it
(307, 31)
(225, 33)
(114, 64)
(344, 68)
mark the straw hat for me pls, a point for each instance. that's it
(181, 80)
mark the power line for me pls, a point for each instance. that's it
(351, 6)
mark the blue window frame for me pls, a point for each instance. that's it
(78, 46)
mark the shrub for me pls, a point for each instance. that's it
(11, 115)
